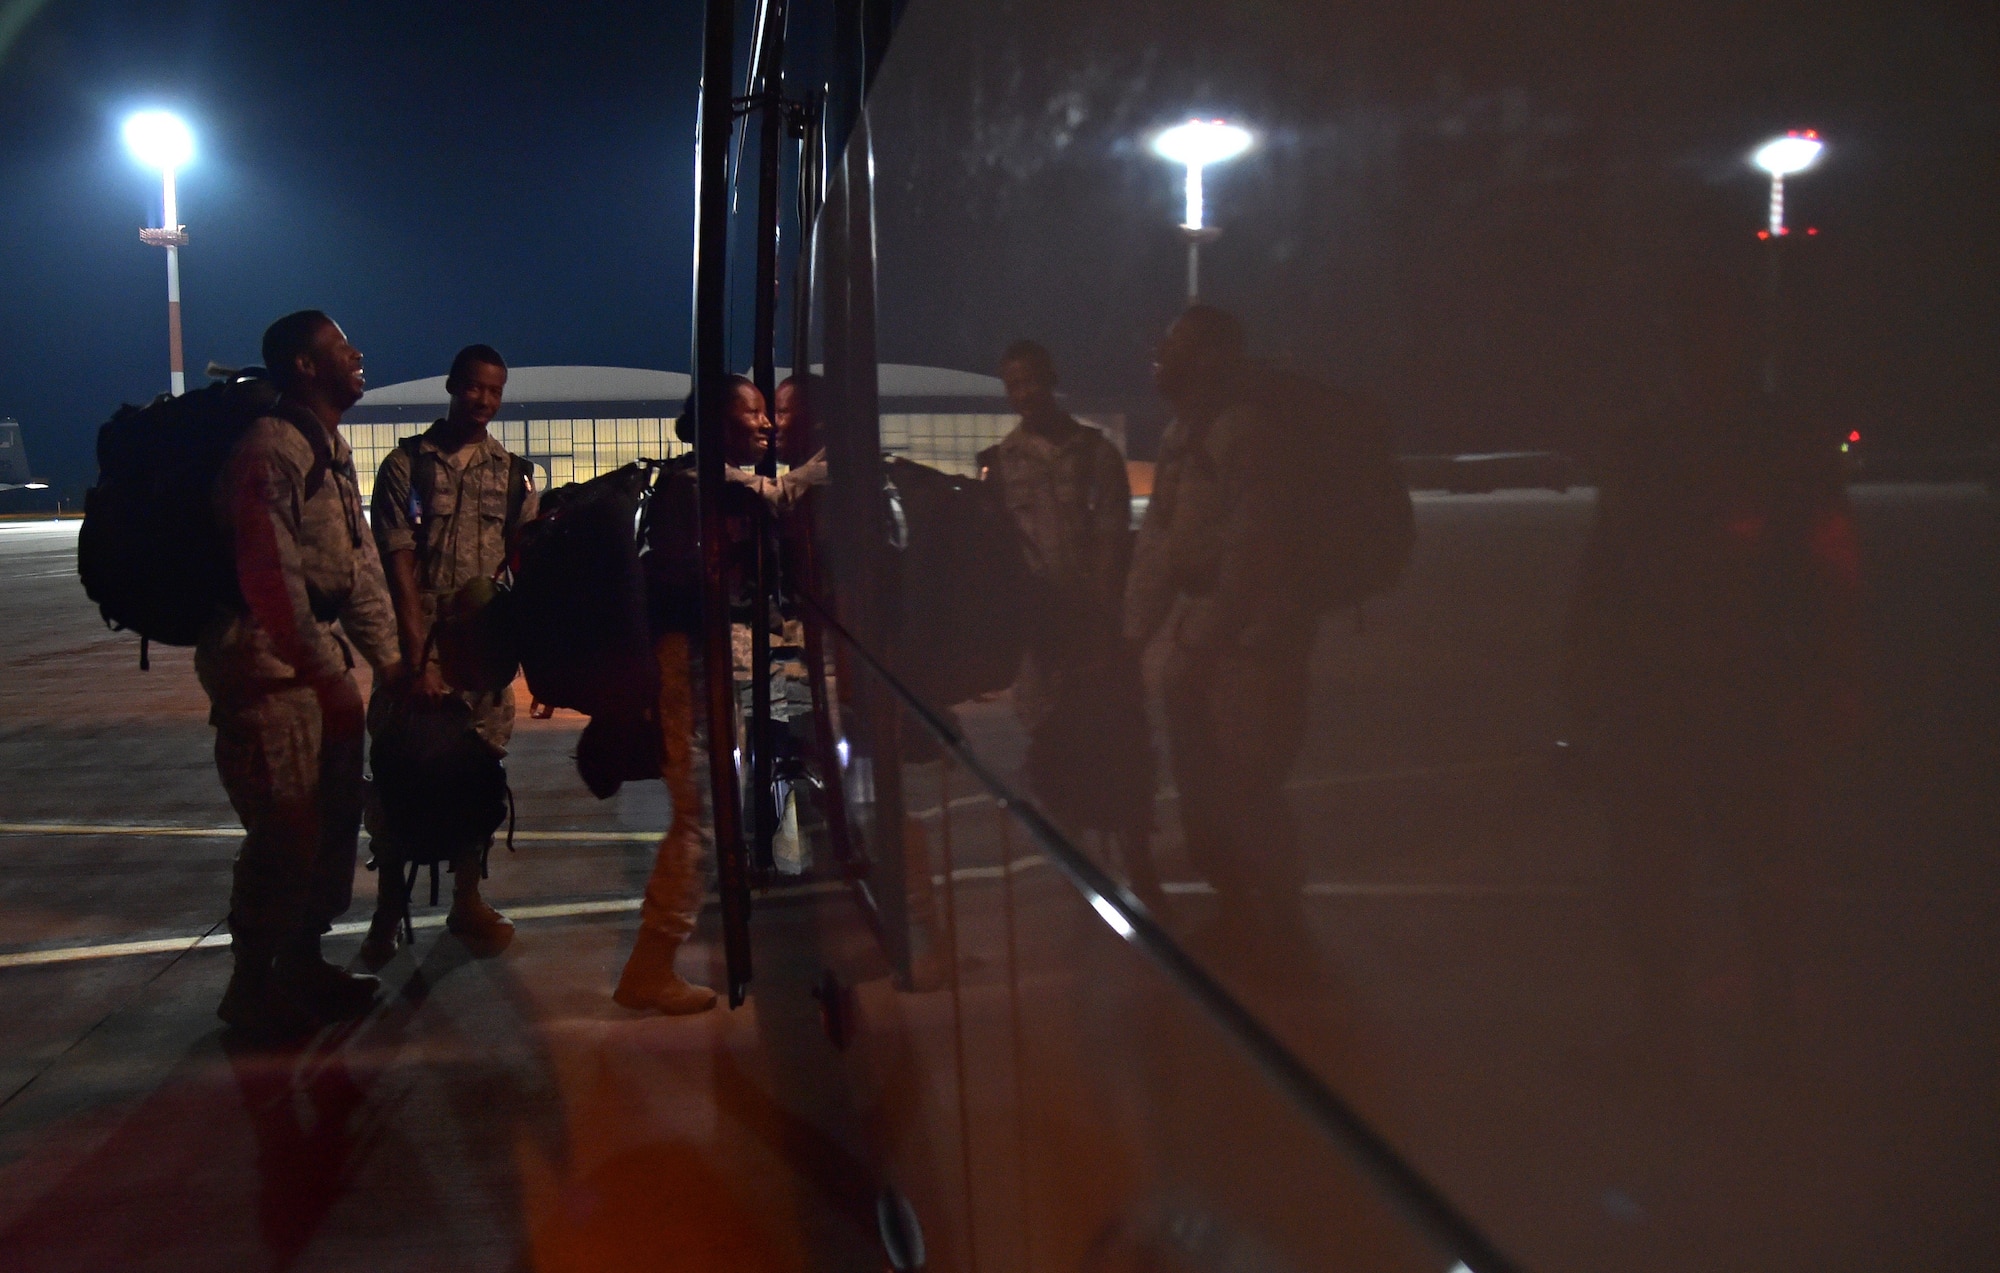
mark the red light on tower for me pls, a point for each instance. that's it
(1854, 435)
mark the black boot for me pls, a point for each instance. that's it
(392, 908)
(331, 993)
(255, 1002)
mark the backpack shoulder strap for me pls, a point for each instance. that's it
(519, 474)
(423, 469)
(315, 436)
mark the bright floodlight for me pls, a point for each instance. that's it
(1794, 152)
(1781, 157)
(1198, 143)
(159, 140)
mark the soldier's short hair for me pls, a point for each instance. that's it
(1033, 353)
(467, 356)
(809, 383)
(289, 337)
(1214, 329)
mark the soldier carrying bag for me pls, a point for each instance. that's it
(151, 552)
(1354, 522)
(474, 628)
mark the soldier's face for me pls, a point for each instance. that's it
(749, 427)
(1177, 362)
(476, 393)
(333, 366)
(794, 423)
(1028, 390)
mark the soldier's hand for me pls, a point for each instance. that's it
(342, 713)
(428, 686)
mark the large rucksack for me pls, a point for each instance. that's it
(1355, 523)
(579, 599)
(966, 596)
(151, 552)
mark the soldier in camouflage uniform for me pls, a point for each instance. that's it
(284, 703)
(1078, 694)
(1217, 569)
(434, 541)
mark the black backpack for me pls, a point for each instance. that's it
(1348, 496)
(967, 597)
(579, 599)
(151, 552)
(439, 791)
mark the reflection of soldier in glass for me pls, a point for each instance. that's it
(444, 504)
(795, 415)
(1214, 570)
(1713, 665)
(1078, 691)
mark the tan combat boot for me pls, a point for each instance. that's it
(650, 983)
(485, 931)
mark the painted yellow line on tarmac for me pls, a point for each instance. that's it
(231, 833)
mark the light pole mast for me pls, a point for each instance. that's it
(1197, 144)
(1781, 157)
(161, 141)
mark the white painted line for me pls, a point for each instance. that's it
(821, 888)
(111, 950)
(231, 833)
(1202, 888)
(1455, 769)
(167, 945)
(1460, 769)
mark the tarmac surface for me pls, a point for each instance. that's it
(1462, 984)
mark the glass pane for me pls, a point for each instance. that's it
(1567, 833)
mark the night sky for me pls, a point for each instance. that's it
(1455, 204)
(430, 174)
(1443, 209)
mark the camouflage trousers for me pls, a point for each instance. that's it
(297, 790)
(1235, 722)
(673, 893)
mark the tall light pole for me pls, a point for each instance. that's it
(1195, 145)
(1781, 157)
(161, 141)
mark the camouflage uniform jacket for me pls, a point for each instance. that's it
(1216, 537)
(1073, 503)
(291, 511)
(458, 528)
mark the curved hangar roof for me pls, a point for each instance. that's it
(576, 385)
